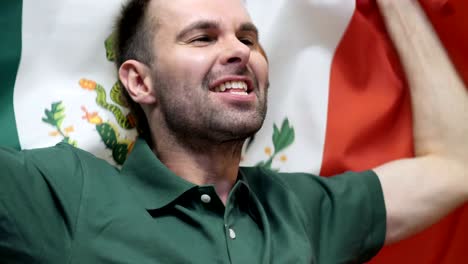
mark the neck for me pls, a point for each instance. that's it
(203, 163)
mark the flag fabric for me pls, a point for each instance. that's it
(65, 83)
(338, 97)
(10, 52)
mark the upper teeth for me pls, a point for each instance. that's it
(231, 85)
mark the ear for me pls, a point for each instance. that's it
(136, 77)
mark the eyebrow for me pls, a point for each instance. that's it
(212, 24)
(249, 27)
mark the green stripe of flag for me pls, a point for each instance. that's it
(10, 54)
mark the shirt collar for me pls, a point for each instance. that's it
(249, 197)
(156, 186)
(152, 182)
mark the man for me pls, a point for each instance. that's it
(197, 72)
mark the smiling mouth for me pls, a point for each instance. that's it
(232, 87)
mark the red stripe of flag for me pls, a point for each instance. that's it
(369, 116)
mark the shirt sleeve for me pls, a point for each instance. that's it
(39, 200)
(348, 212)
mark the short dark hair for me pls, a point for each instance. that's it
(134, 32)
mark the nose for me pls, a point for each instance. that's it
(235, 52)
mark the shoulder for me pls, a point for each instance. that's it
(64, 161)
(45, 185)
(306, 184)
(52, 176)
(25, 165)
(346, 212)
(310, 191)
(60, 161)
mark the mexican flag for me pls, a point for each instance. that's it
(338, 99)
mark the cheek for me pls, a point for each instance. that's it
(260, 68)
(191, 65)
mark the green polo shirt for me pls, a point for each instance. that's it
(63, 205)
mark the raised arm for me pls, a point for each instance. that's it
(420, 191)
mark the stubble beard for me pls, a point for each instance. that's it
(196, 120)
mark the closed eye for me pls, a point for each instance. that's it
(247, 41)
(202, 40)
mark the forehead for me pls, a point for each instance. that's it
(179, 13)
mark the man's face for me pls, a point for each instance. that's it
(210, 77)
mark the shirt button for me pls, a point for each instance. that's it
(232, 234)
(205, 198)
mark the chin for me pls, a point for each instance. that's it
(240, 130)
